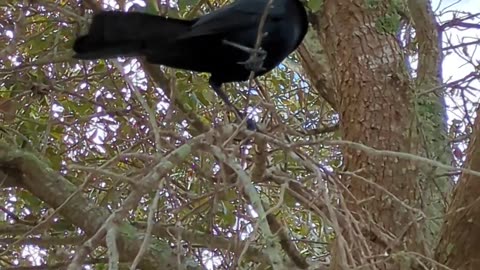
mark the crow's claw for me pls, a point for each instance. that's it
(240, 116)
(255, 61)
(251, 125)
(257, 56)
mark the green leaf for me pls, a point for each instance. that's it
(315, 5)
(201, 97)
(184, 4)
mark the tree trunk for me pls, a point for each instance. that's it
(460, 236)
(374, 98)
(368, 85)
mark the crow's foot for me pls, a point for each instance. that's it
(217, 87)
(257, 56)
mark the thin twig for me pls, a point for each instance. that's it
(111, 241)
(272, 245)
(148, 231)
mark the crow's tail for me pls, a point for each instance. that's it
(117, 33)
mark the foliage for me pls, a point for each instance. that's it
(85, 114)
(105, 126)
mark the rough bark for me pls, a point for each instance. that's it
(460, 236)
(375, 104)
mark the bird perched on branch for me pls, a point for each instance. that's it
(222, 43)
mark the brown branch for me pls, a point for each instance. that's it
(460, 233)
(205, 240)
(287, 245)
(43, 241)
(460, 22)
(317, 70)
(54, 190)
(429, 57)
(60, 265)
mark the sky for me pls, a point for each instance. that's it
(454, 67)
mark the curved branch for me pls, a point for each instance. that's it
(54, 189)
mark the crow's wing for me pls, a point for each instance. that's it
(242, 14)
